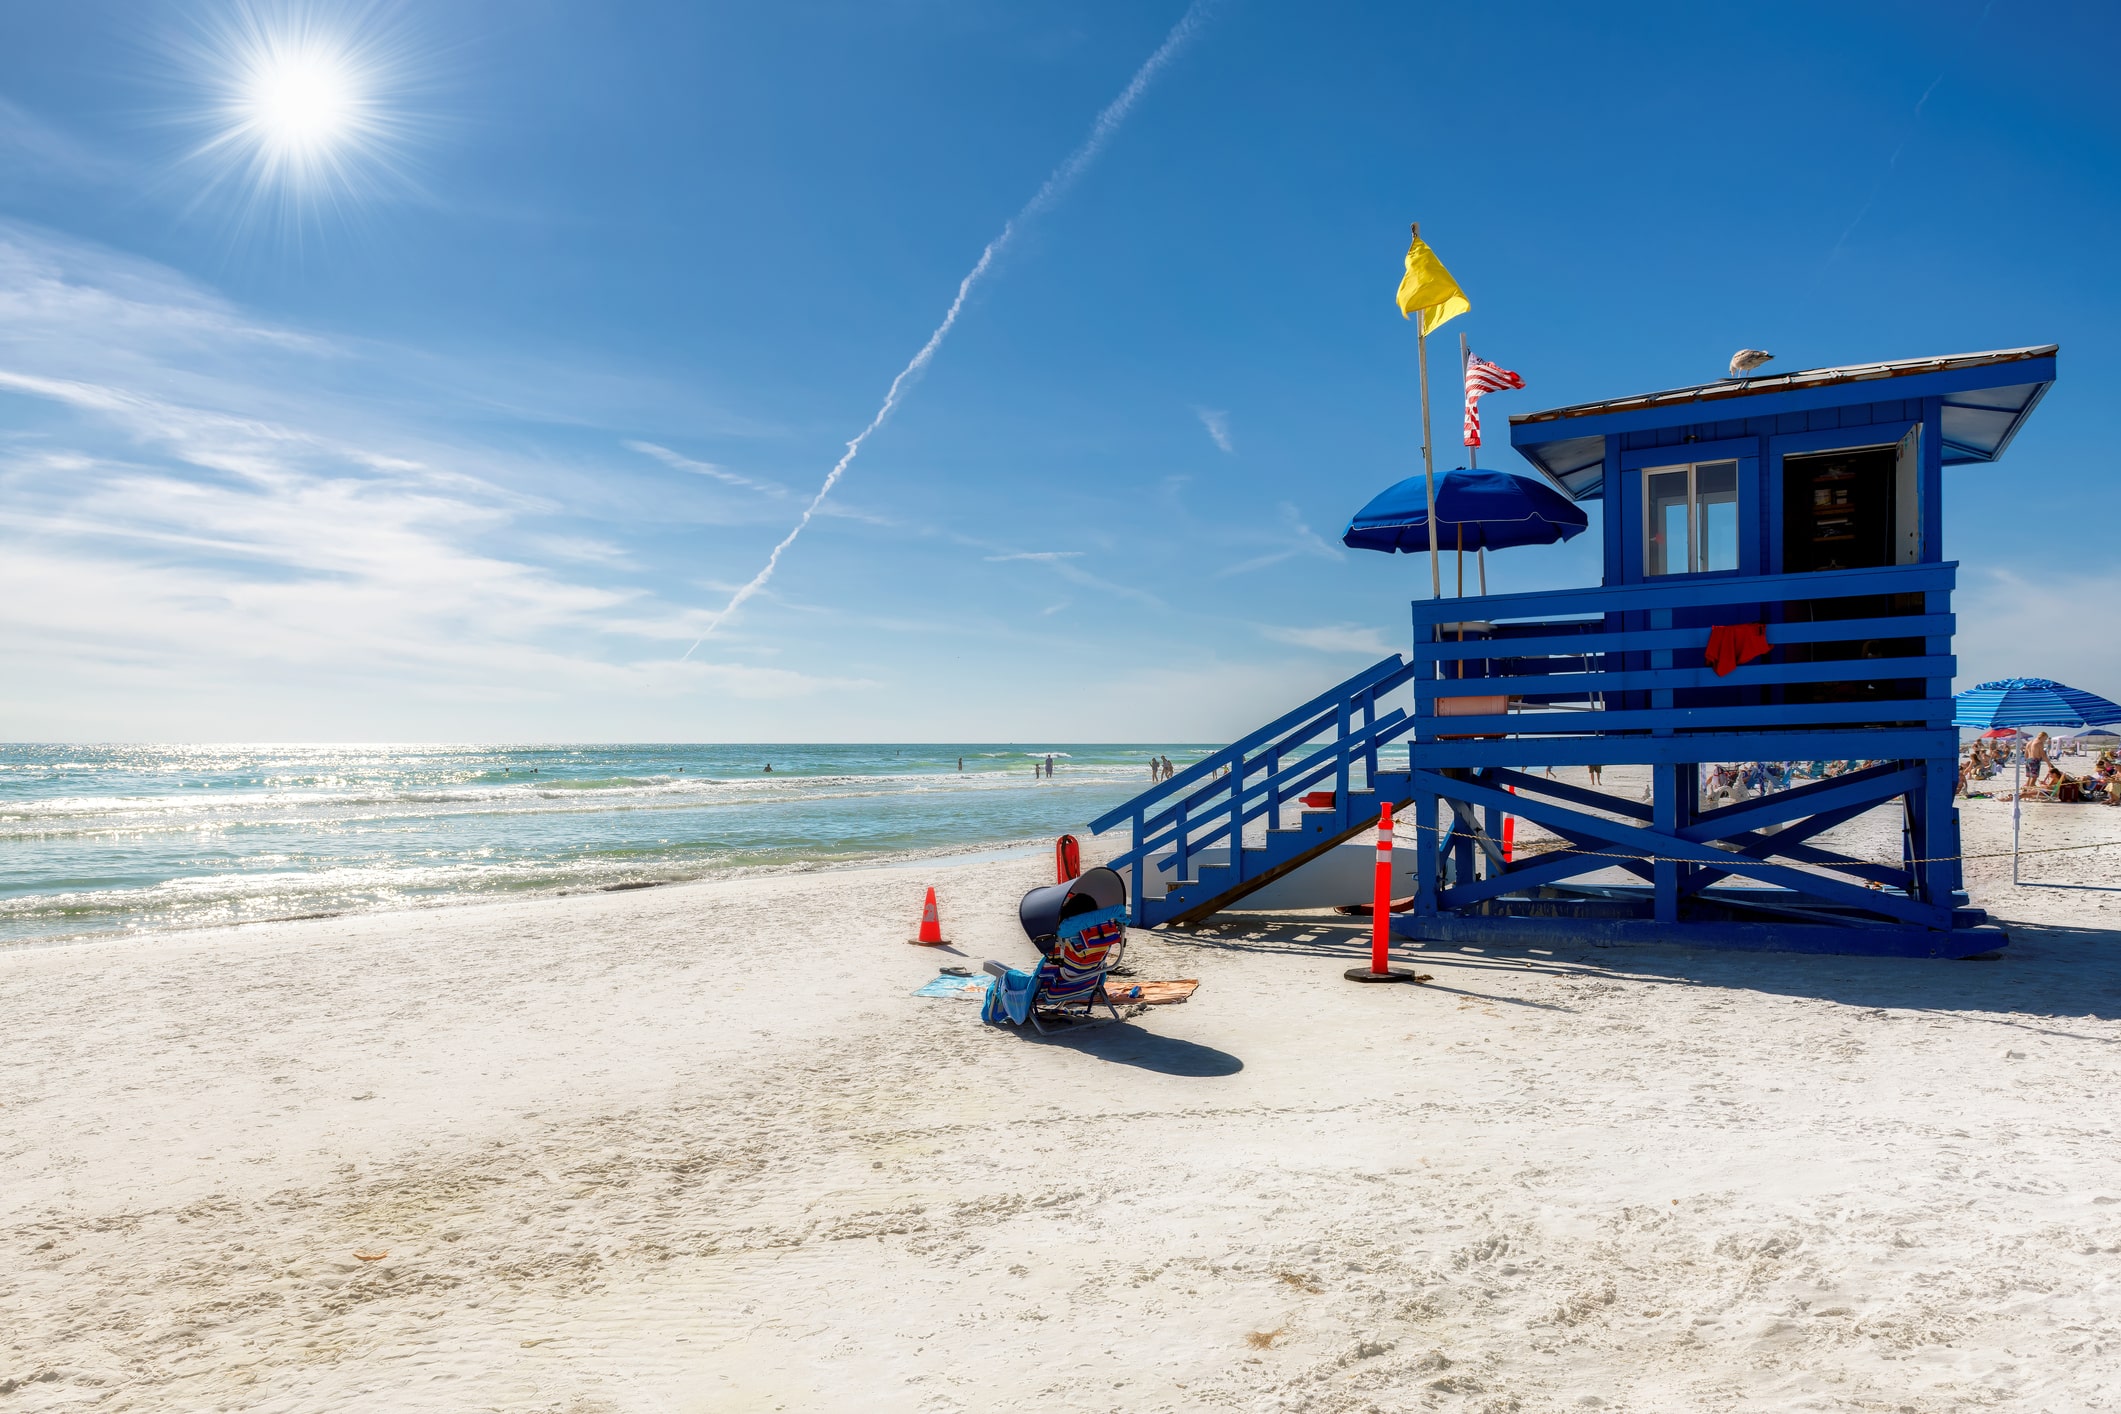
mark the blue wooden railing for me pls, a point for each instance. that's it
(1623, 676)
(1213, 800)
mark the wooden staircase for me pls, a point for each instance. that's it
(1331, 743)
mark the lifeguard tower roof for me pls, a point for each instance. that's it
(1983, 398)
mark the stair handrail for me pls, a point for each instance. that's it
(1234, 753)
(1297, 736)
(1149, 826)
(1257, 799)
(1289, 780)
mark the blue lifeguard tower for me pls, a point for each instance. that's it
(1800, 514)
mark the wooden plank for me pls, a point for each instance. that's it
(1773, 404)
(1631, 839)
(1682, 679)
(1642, 640)
(1928, 711)
(1790, 844)
(1874, 786)
(1688, 592)
(1590, 749)
(1292, 780)
(1550, 868)
(1220, 789)
(1575, 795)
(1202, 770)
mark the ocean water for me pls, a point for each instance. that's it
(116, 840)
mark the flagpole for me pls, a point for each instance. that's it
(1428, 453)
(1465, 361)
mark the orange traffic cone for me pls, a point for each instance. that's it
(931, 926)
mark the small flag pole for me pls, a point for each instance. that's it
(1465, 364)
(1465, 361)
(1428, 453)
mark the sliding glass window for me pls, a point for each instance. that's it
(1690, 518)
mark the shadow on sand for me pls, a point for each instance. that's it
(2047, 972)
(1122, 1044)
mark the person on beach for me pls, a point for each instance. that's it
(1049, 765)
(2035, 756)
(1597, 774)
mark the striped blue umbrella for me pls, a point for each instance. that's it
(2031, 702)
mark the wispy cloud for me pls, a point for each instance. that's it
(186, 508)
(1218, 424)
(29, 144)
(1043, 556)
(719, 473)
(1330, 638)
(1300, 540)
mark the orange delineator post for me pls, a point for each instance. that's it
(1381, 918)
(1380, 968)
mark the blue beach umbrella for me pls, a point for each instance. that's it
(1491, 510)
(2024, 702)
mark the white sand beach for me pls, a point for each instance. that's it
(698, 1148)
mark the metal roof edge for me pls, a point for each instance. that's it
(1726, 389)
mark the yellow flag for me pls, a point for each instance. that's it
(1429, 288)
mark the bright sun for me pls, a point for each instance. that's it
(307, 105)
(298, 103)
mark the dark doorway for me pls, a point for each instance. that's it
(1837, 510)
(1838, 513)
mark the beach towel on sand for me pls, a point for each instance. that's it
(960, 988)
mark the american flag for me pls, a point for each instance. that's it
(1483, 377)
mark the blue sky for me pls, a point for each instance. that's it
(474, 441)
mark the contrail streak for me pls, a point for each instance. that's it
(1055, 185)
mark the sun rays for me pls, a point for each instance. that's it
(304, 107)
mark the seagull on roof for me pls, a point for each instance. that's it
(1746, 360)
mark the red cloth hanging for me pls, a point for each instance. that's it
(1732, 644)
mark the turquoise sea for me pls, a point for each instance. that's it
(114, 840)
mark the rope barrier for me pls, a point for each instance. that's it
(1740, 861)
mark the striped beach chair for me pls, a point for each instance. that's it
(1069, 982)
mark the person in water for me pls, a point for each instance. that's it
(769, 768)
